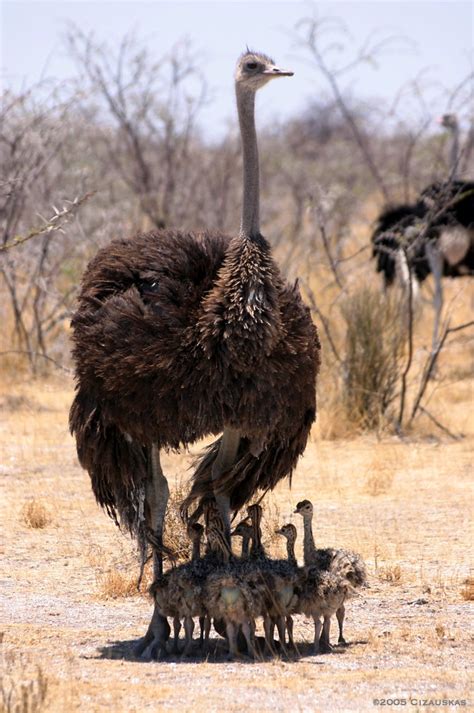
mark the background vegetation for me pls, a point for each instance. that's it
(120, 149)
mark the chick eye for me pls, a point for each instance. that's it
(251, 65)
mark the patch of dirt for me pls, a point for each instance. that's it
(405, 506)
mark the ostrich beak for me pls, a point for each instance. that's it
(277, 72)
(278, 532)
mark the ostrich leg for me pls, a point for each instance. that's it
(340, 614)
(317, 633)
(281, 626)
(289, 628)
(189, 629)
(269, 628)
(435, 261)
(157, 494)
(324, 641)
(225, 459)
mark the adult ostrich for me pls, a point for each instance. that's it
(437, 230)
(397, 225)
(181, 335)
(451, 207)
(449, 211)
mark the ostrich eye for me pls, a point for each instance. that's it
(251, 65)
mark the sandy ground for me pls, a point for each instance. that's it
(404, 505)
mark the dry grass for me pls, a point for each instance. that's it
(34, 514)
(70, 597)
(379, 482)
(175, 536)
(23, 688)
(390, 573)
(115, 584)
(373, 344)
(467, 592)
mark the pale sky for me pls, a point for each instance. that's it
(441, 35)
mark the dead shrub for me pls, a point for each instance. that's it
(115, 584)
(374, 342)
(22, 689)
(175, 536)
(379, 482)
(467, 592)
(390, 573)
(332, 422)
(35, 515)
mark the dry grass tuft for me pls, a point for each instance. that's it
(35, 515)
(379, 482)
(390, 573)
(115, 584)
(175, 535)
(332, 422)
(467, 592)
(373, 348)
(22, 690)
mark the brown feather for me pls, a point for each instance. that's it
(170, 347)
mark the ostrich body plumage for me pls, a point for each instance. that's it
(171, 346)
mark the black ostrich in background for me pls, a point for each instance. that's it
(181, 335)
(437, 232)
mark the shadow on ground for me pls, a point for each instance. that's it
(217, 653)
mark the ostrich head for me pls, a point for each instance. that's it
(449, 121)
(255, 69)
(304, 508)
(288, 531)
(255, 513)
(195, 531)
(243, 529)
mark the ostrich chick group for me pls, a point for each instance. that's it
(234, 591)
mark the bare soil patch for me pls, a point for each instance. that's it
(69, 607)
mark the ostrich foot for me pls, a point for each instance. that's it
(158, 651)
(187, 651)
(342, 642)
(156, 636)
(324, 648)
(174, 648)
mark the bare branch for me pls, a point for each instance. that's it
(55, 223)
(431, 363)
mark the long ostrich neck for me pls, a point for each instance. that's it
(196, 549)
(257, 547)
(250, 224)
(290, 551)
(454, 154)
(245, 546)
(308, 542)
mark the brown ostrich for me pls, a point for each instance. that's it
(180, 335)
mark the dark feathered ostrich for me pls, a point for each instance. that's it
(437, 230)
(181, 335)
(391, 230)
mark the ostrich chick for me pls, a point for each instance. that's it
(228, 596)
(342, 572)
(289, 532)
(277, 580)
